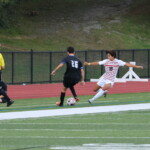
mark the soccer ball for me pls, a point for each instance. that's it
(71, 101)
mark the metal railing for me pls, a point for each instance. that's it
(35, 67)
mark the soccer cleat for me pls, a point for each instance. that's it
(89, 101)
(77, 99)
(10, 103)
(105, 94)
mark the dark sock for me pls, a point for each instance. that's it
(62, 96)
(73, 92)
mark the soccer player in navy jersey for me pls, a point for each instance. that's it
(74, 74)
(111, 65)
(4, 98)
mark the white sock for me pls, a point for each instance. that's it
(99, 94)
(104, 91)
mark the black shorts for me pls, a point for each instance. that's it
(67, 82)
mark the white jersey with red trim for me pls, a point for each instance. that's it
(111, 68)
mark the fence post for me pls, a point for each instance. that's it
(85, 70)
(50, 66)
(133, 55)
(31, 75)
(12, 65)
(102, 59)
(148, 63)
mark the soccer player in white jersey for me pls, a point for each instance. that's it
(111, 68)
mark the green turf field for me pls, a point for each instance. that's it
(49, 103)
(120, 130)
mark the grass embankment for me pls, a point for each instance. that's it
(83, 24)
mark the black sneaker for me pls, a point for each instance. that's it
(89, 101)
(10, 103)
(105, 94)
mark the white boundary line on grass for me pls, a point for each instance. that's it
(72, 111)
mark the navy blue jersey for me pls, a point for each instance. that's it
(74, 66)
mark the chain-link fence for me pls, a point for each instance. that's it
(35, 67)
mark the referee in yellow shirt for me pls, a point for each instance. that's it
(2, 64)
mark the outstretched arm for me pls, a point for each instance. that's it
(91, 63)
(134, 66)
(82, 77)
(54, 71)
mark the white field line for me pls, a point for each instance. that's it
(72, 130)
(91, 146)
(107, 146)
(89, 124)
(72, 111)
(79, 137)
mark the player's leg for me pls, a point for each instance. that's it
(74, 93)
(105, 94)
(4, 86)
(0, 75)
(3, 100)
(96, 88)
(111, 85)
(101, 88)
(72, 89)
(3, 92)
(9, 101)
(63, 92)
(62, 95)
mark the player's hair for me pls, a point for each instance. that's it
(70, 49)
(112, 53)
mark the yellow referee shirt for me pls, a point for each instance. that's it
(2, 62)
